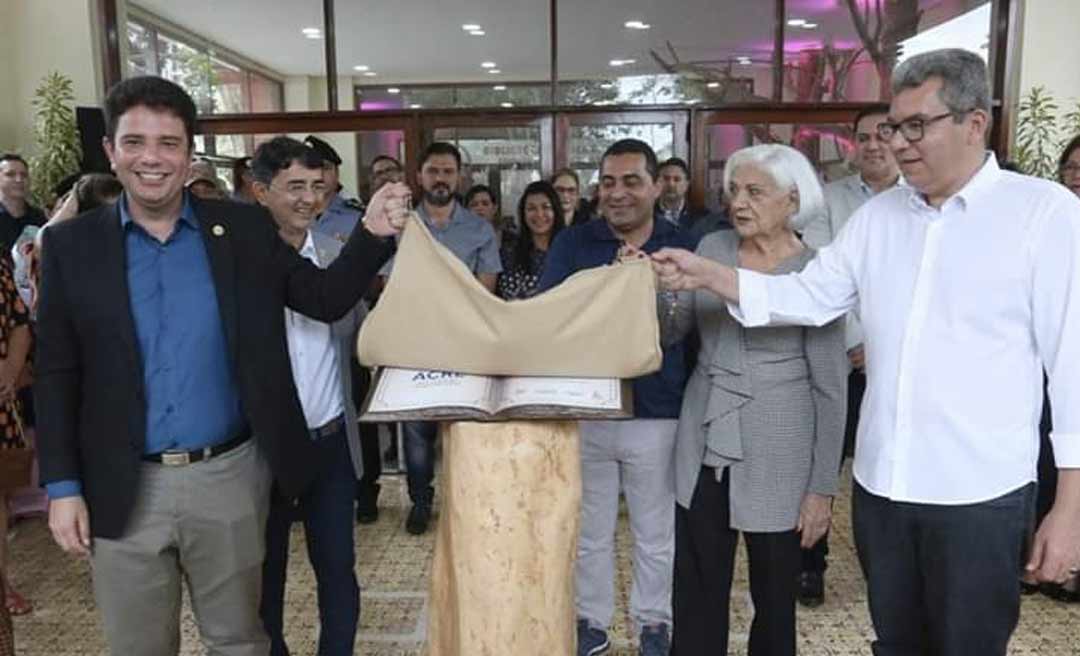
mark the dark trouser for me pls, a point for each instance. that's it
(326, 509)
(814, 558)
(942, 580)
(420, 460)
(371, 455)
(705, 547)
(1048, 473)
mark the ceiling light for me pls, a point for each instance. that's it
(477, 32)
(415, 106)
(506, 104)
(393, 90)
(636, 25)
(471, 27)
(796, 22)
(361, 68)
(370, 74)
(809, 26)
(499, 87)
(622, 62)
(487, 65)
(308, 31)
(713, 85)
(745, 61)
(494, 71)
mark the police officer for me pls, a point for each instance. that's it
(340, 214)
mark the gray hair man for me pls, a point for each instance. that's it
(968, 286)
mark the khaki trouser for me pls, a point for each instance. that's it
(203, 524)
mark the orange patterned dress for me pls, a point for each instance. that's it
(13, 313)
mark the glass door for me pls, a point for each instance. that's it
(582, 138)
(505, 155)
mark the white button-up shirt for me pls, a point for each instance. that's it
(314, 359)
(843, 197)
(963, 307)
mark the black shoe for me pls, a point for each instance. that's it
(419, 518)
(1059, 592)
(811, 590)
(367, 506)
(389, 456)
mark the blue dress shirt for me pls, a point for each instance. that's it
(192, 400)
(593, 244)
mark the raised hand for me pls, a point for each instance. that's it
(388, 209)
(680, 270)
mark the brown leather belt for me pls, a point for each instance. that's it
(329, 428)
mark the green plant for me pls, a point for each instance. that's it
(1037, 134)
(1070, 124)
(56, 135)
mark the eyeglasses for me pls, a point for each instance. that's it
(913, 129)
(295, 190)
(1070, 169)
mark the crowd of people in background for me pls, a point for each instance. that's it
(741, 433)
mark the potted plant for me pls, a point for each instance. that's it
(56, 136)
(1041, 134)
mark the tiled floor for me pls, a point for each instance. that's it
(393, 568)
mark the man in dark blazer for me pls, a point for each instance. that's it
(164, 383)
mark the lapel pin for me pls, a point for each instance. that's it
(218, 230)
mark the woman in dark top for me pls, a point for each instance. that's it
(541, 218)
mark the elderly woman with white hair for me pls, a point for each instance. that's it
(762, 422)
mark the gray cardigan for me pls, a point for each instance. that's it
(343, 332)
(767, 403)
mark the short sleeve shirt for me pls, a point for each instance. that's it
(468, 236)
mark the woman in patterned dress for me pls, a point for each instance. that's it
(14, 346)
(541, 218)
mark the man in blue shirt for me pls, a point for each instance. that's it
(161, 355)
(634, 457)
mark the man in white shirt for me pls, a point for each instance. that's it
(289, 182)
(876, 171)
(968, 284)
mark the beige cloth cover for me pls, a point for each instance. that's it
(434, 314)
(502, 581)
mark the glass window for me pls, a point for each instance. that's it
(444, 54)
(587, 144)
(847, 51)
(506, 159)
(377, 97)
(679, 52)
(142, 57)
(187, 67)
(218, 79)
(827, 146)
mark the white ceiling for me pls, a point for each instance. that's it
(422, 40)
